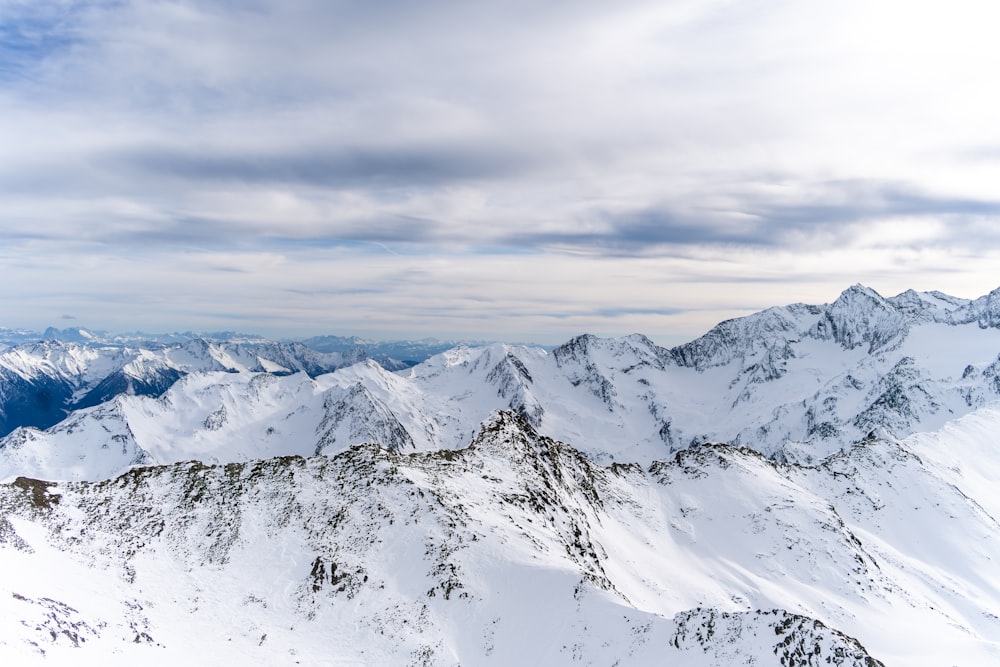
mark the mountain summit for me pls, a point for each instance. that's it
(796, 383)
(811, 484)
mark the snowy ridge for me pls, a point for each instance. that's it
(798, 383)
(741, 638)
(41, 382)
(769, 333)
(394, 355)
(514, 549)
(799, 486)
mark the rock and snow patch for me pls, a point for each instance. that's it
(771, 493)
(515, 548)
(764, 637)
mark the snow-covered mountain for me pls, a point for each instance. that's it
(15, 337)
(43, 376)
(405, 352)
(805, 381)
(812, 484)
(394, 354)
(514, 550)
(797, 384)
(41, 382)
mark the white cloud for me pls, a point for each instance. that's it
(519, 168)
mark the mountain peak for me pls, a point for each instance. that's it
(506, 426)
(859, 316)
(857, 292)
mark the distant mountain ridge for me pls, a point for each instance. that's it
(808, 485)
(41, 382)
(38, 389)
(13, 337)
(407, 352)
(795, 383)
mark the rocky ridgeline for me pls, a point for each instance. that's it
(41, 382)
(797, 384)
(420, 547)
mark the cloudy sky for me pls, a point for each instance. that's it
(499, 170)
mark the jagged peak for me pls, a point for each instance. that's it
(508, 433)
(639, 339)
(858, 290)
(51, 344)
(356, 415)
(585, 342)
(859, 299)
(861, 315)
(859, 293)
(196, 344)
(738, 338)
(509, 369)
(356, 394)
(577, 348)
(624, 351)
(985, 311)
(925, 306)
(581, 341)
(505, 423)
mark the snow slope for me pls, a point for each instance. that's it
(41, 382)
(797, 384)
(807, 485)
(516, 549)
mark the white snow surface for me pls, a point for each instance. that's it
(797, 384)
(513, 550)
(435, 516)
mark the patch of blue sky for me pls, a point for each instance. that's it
(361, 246)
(28, 39)
(518, 249)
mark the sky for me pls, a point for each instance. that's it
(508, 170)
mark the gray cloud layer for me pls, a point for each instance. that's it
(686, 131)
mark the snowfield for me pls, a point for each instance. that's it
(810, 485)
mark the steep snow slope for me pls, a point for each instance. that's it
(853, 502)
(212, 417)
(797, 384)
(41, 382)
(966, 454)
(516, 549)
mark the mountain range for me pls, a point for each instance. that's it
(811, 484)
(44, 376)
